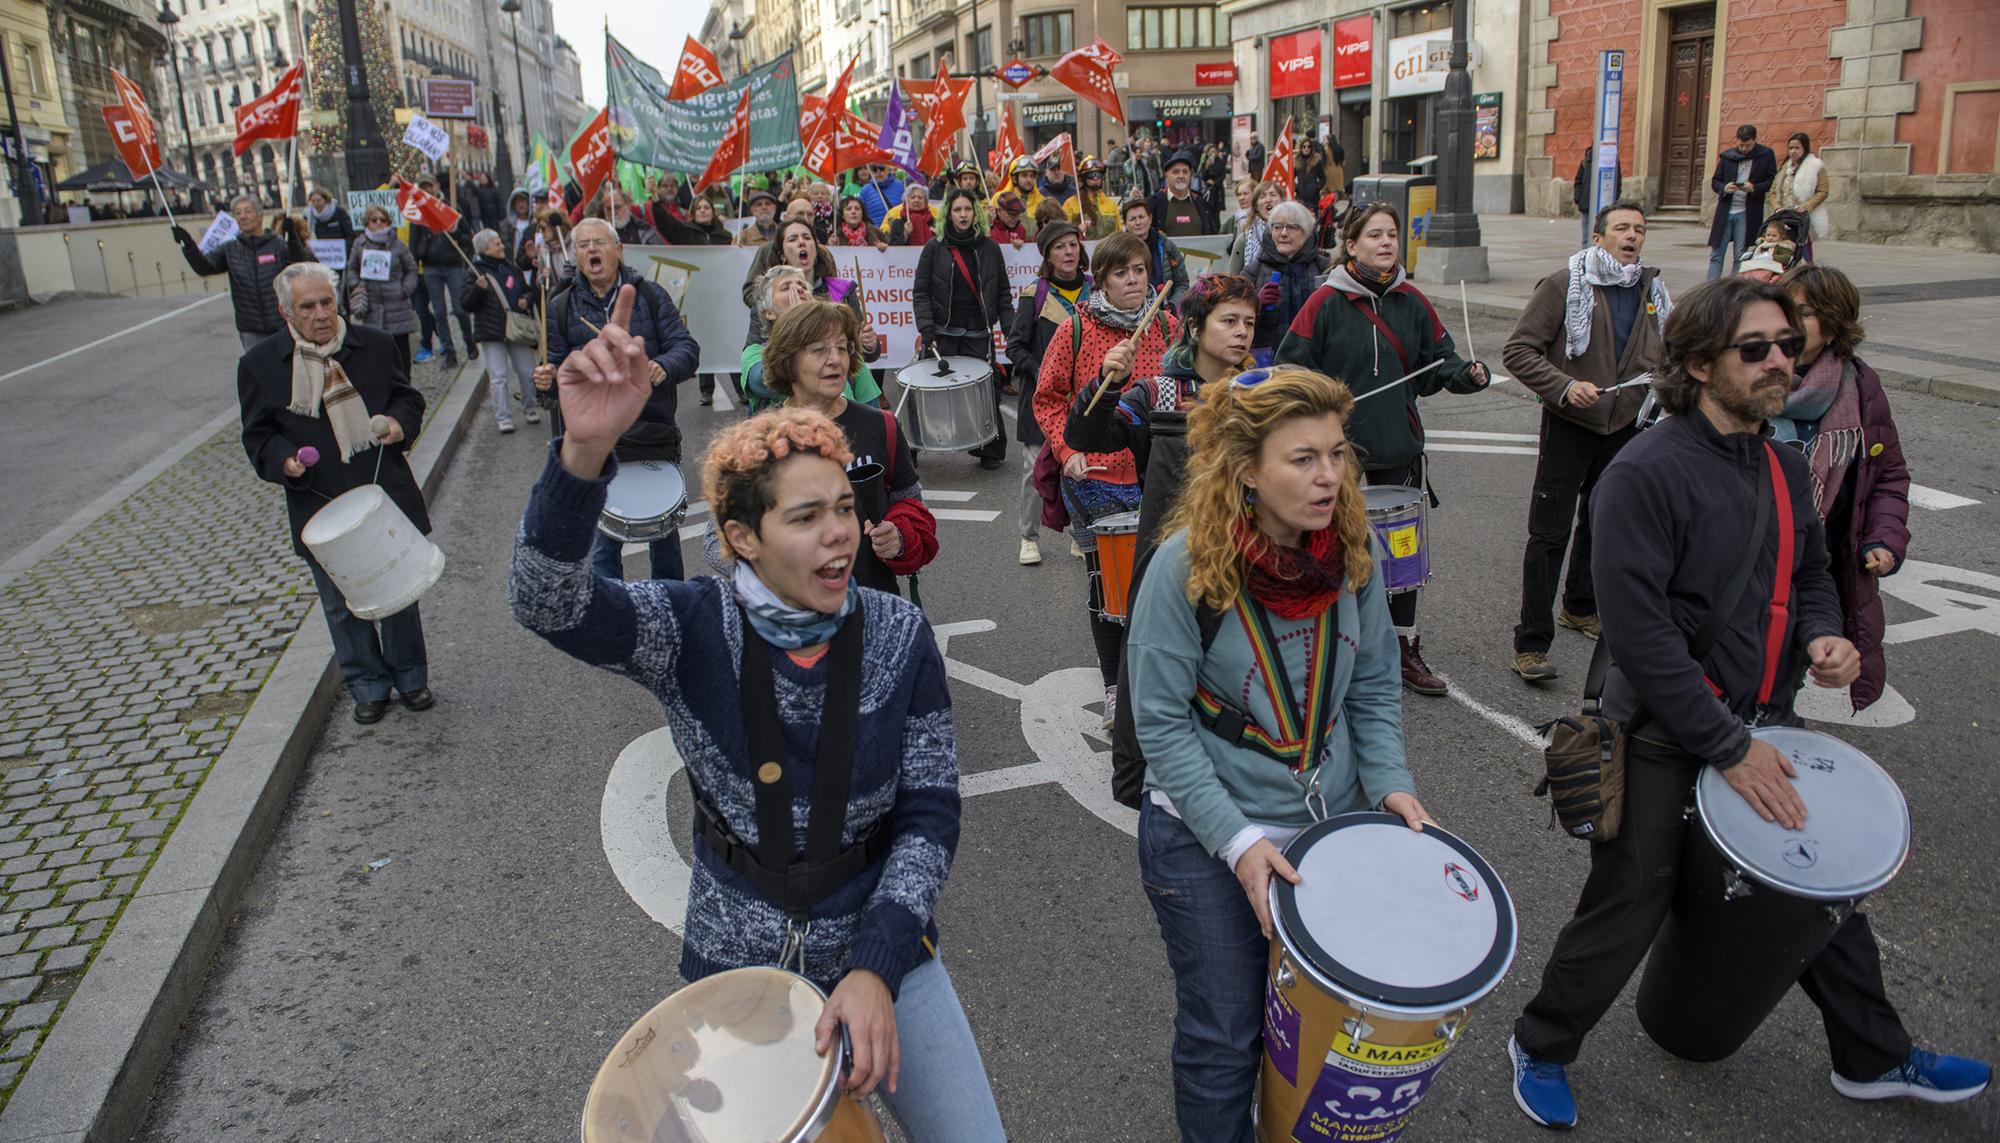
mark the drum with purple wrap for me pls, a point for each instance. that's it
(1756, 902)
(1397, 514)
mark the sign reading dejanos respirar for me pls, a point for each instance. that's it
(683, 135)
(1295, 64)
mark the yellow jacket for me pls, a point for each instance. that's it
(1107, 211)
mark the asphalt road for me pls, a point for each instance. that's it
(469, 989)
(79, 425)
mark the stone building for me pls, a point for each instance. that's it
(229, 53)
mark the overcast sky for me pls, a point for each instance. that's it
(654, 32)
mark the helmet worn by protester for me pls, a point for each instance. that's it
(1091, 165)
(1024, 163)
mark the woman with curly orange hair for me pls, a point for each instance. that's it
(1264, 669)
(837, 691)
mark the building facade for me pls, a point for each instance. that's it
(571, 109)
(1900, 97)
(1173, 82)
(46, 128)
(229, 52)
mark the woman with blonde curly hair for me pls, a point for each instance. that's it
(786, 660)
(1264, 591)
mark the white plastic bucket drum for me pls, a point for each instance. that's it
(379, 559)
(1381, 952)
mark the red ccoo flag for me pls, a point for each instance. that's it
(698, 72)
(141, 156)
(134, 101)
(1087, 71)
(418, 206)
(823, 138)
(1007, 147)
(1279, 167)
(272, 115)
(942, 125)
(591, 155)
(735, 149)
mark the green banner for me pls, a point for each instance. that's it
(683, 136)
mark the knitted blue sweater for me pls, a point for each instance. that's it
(683, 641)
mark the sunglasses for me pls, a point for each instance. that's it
(1250, 378)
(1757, 349)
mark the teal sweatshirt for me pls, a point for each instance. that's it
(1218, 788)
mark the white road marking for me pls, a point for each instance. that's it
(1936, 500)
(638, 839)
(1957, 599)
(1519, 728)
(943, 497)
(973, 515)
(722, 402)
(122, 332)
(1498, 450)
(1837, 707)
(1006, 778)
(1464, 435)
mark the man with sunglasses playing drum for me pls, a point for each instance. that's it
(1672, 515)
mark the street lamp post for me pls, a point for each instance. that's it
(170, 20)
(979, 135)
(1453, 252)
(513, 9)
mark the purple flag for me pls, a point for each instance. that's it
(899, 134)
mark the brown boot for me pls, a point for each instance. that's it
(1416, 674)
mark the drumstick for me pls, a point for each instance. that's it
(1138, 331)
(587, 325)
(860, 293)
(1465, 306)
(1399, 380)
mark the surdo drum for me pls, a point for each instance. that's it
(646, 501)
(1380, 954)
(728, 1058)
(950, 401)
(1756, 902)
(1117, 550)
(1398, 517)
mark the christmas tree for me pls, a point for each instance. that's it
(326, 69)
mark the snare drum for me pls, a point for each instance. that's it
(728, 1057)
(647, 501)
(951, 404)
(1398, 515)
(1117, 547)
(1756, 902)
(1381, 953)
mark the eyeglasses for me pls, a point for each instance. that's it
(1287, 227)
(828, 350)
(1757, 348)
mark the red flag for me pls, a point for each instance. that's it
(942, 125)
(1007, 147)
(854, 145)
(272, 115)
(1065, 147)
(1279, 167)
(735, 149)
(591, 155)
(420, 206)
(141, 156)
(698, 72)
(134, 101)
(1087, 71)
(822, 139)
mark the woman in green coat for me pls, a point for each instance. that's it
(1370, 328)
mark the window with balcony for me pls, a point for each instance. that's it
(979, 48)
(1048, 33)
(216, 94)
(1172, 29)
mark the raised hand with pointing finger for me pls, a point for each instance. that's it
(602, 385)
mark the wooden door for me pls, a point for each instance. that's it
(1690, 68)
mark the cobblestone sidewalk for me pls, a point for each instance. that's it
(127, 659)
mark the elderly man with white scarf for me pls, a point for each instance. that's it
(1586, 344)
(325, 410)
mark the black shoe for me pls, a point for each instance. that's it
(472, 352)
(708, 401)
(370, 713)
(992, 463)
(450, 359)
(419, 699)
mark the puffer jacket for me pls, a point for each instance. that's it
(1297, 275)
(252, 265)
(489, 306)
(1879, 518)
(384, 305)
(1336, 333)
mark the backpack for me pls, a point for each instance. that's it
(1128, 762)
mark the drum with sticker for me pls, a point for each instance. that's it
(1381, 952)
(1397, 514)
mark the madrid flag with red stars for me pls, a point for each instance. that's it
(1087, 71)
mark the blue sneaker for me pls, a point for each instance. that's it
(422, 356)
(1541, 1089)
(1925, 1075)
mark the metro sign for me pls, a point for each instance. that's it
(1017, 73)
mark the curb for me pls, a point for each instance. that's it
(94, 1077)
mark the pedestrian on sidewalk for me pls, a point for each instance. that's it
(1743, 176)
(1597, 322)
(1372, 329)
(1801, 184)
(1586, 173)
(752, 671)
(496, 294)
(320, 387)
(253, 260)
(381, 280)
(1838, 415)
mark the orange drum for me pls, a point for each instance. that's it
(728, 1057)
(1117, 548)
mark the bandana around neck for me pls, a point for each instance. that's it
(1596, 267)
(779, 623)
(1099, 304)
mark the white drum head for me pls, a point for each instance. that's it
(1395, 918)
(728, 1057)
(343, 513)
(1382, 498)
(1117, 524)
(923, 373)
(645, 490)
(1857, 829)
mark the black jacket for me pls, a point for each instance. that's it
(668, 342)
(1298, 276)
(1580, 187)
(1671, 517)
(488, 197)
(1157, 205)
(435, 251)
(272, 435)
(938, 280)
(1027, 337)
(252, 265)
(488, 306)
(1763, 172)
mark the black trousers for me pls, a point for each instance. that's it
(982, 348)
(1572, 458)
(1625, 901)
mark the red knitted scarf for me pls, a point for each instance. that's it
(1292, 582)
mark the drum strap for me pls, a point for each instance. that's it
(1304, 728)
(796, 885)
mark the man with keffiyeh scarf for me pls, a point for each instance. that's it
(1586, 343)
(340, 390)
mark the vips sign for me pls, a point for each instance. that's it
(1354, 52)
(1295, 66)
(1214, 74)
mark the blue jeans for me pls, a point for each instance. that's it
(1219, 957)
(443, 286)
(1732, 234)
(370, 664)
(606, 560)
(941, 1092)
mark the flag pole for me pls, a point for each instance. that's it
(165, 205)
